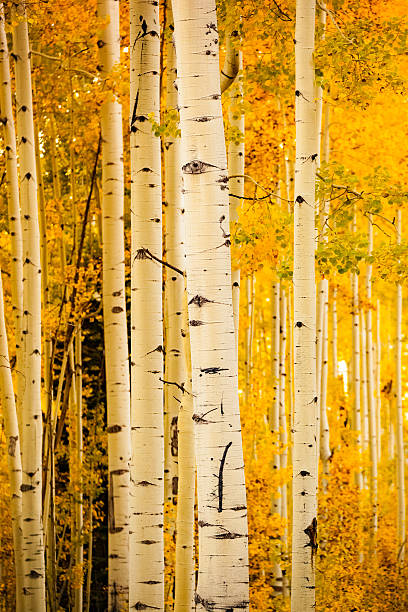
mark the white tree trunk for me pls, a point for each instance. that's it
(378, 381)
(372, 416)
(13, 455)
(147, 493)
(236, 161)
(283, 432)
(364, 386)
(33, 544)
(14, 217)
(304, 539)
(175, 370)
(222, 515)
(401, 522)
(114, 311)
(356, 370)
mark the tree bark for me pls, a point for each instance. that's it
(304, 539)
(33, 544)
(147, 493)
(114, 311)
(222, 516)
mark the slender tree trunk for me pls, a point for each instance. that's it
(33, 544)
(364, 386)
(147, 494)
(372, 418)
(356, 369)
(14, 217)
(114, 311)
(13, 454)
(283, 434)
(378, 382)
(175, 371)
(304, 538)
(401, 523)
(334, 332)
(184, 599)
(222, 517)
(236, 160)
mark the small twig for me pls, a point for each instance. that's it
(330, 14)
(287, 18)
(146, 254)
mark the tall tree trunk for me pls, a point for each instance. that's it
(356, 368)
(401, 523)
(33, 544)
(13, 452)
(147, 495)
(304, 538)
(114, 312)
(283, 427)
(222, 515)
(14, 217)
(175, 367)
(378, 381)
(236, 158)
(372, 417)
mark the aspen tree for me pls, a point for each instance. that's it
(401, 522)
(356, 365)
(364, 386)
(274, 415)
(175, 370)
(304, 538)
(378, 381)
(14, 218)
(147, 493)
(33, 544)
(114, 309)
(185, 574)
(236, 160)
(13, 449)
(222, 517)
(283, 432)
(178, 366)
(372, 418)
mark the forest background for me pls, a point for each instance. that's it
(361, 67)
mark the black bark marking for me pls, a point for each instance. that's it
(141, 606)
(304, 473)
(25, 487)
(114, 429)
(117, 309)
(145, 483)
(12, 446)
(119, 472)
(199, 301)
(174, 437)
(213, 370)
(221, 476)
(34, 574)
(195, 323)
(174, 485)
(197, 166)
(158, 349)
(200, 418)
(311, 532)
(224, 234)
(205, 603)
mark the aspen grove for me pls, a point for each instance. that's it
(203, 313)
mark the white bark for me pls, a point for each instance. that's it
(175, 370)
(147, 493)
(11, 432)
(304, 537)
(356, 370)
(378, 381)
(372, 417)
(114, 309)
(222, 516)
(283, 427)
(33, 545)
(401, 522)
(236, 164)
(14, 218)
(364, 385)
